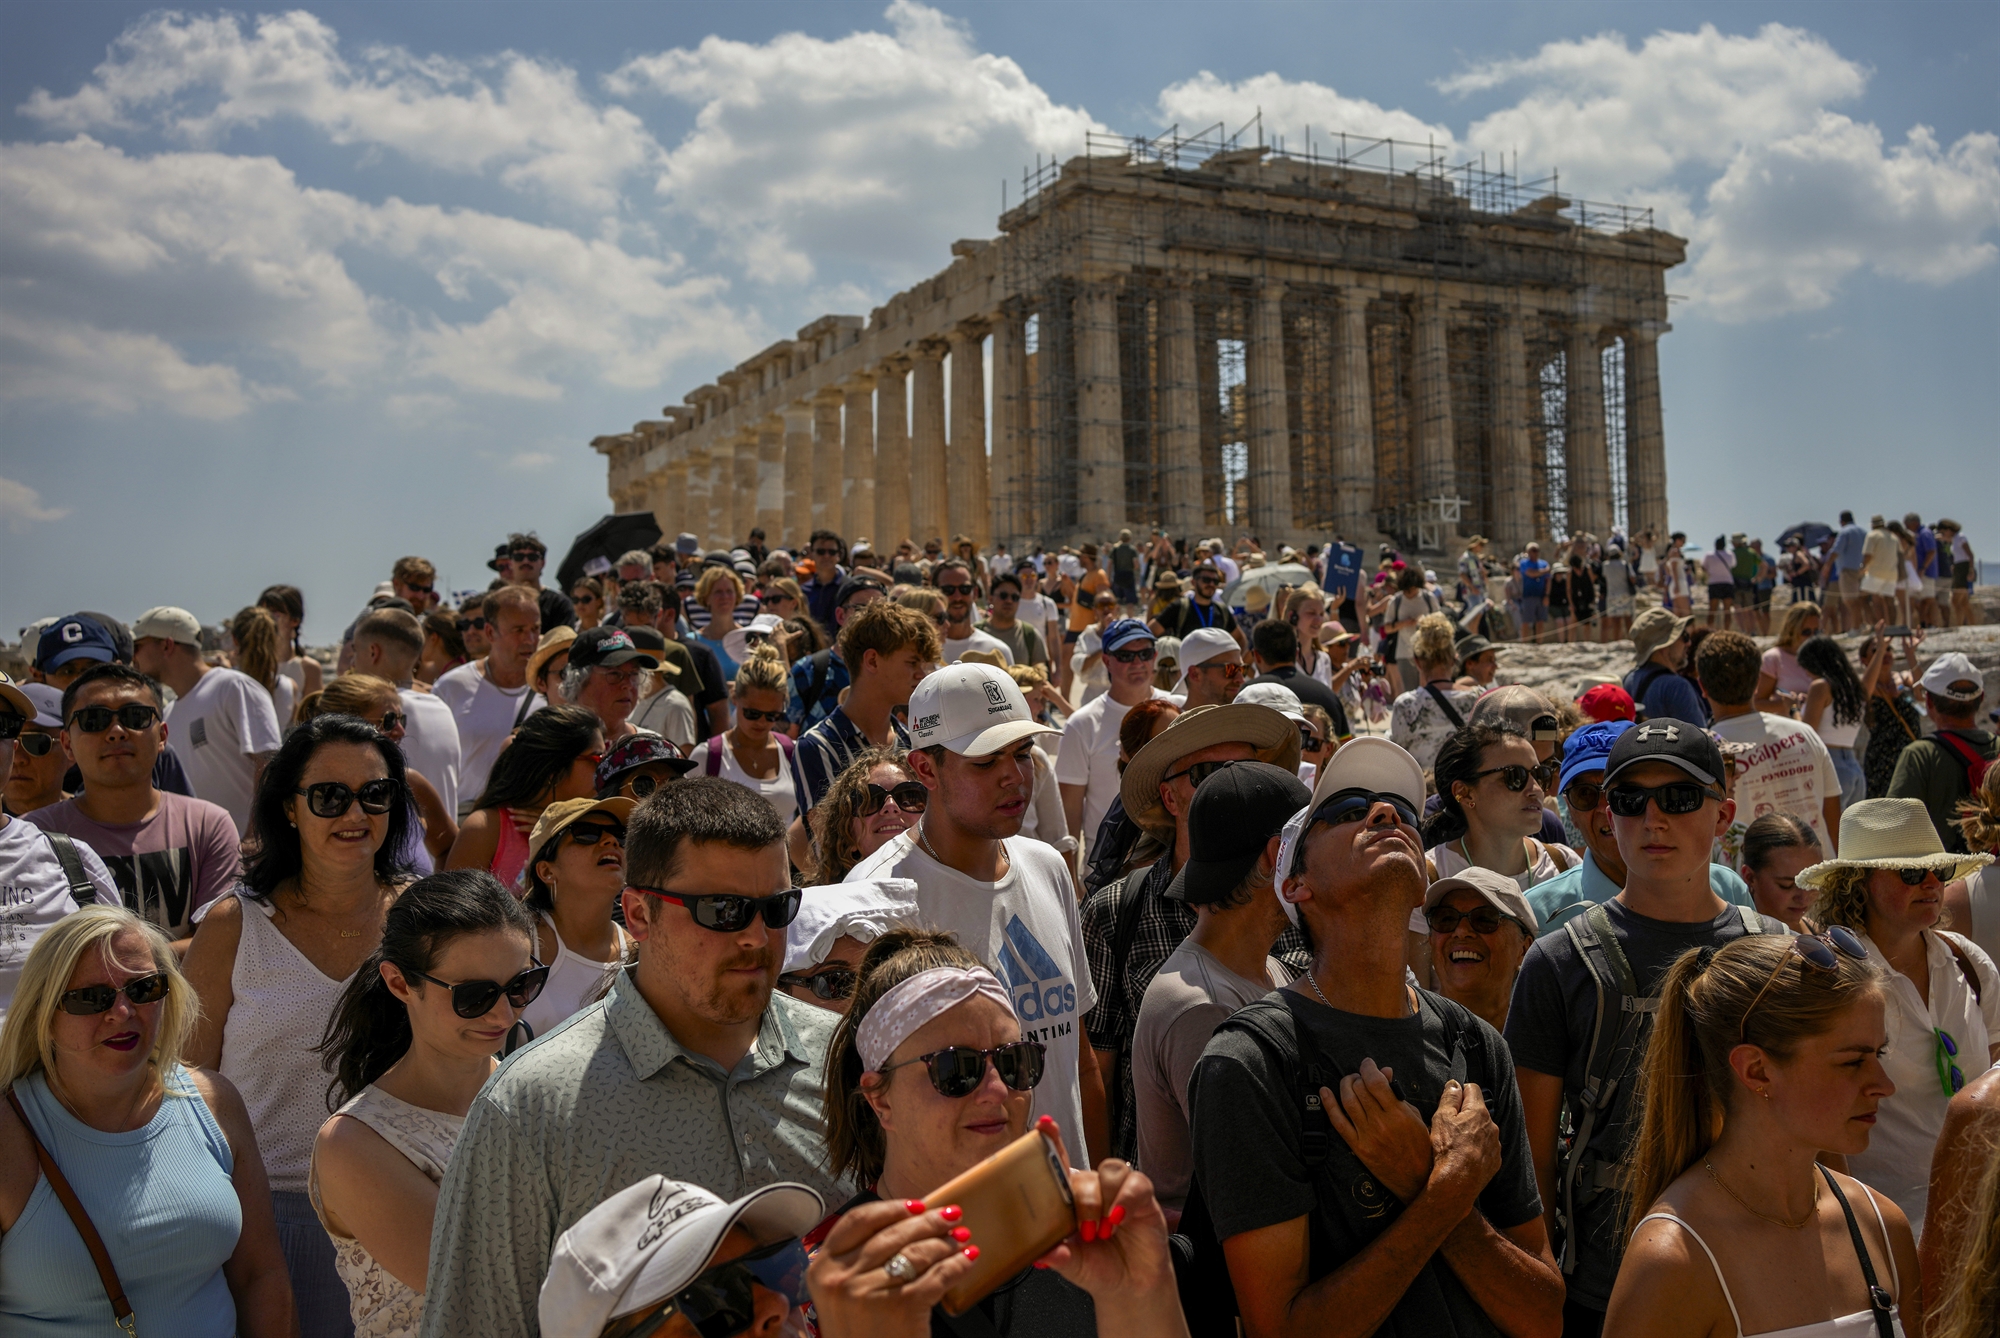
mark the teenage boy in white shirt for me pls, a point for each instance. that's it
(224, 720)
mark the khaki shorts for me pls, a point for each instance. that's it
(1850, 584)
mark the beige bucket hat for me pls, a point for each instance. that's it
(1891, 834)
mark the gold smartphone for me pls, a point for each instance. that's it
(1018, 1207)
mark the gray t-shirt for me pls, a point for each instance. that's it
(1191, 994)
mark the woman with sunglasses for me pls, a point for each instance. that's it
(1766, 1056)
(587, 598)
(755, 752)
(159, 1154)
(573, 884)
(834, 926)
(870, 804)
(927, 1076)
(412, 1041)
(376, 699)
(1942, 992)
(553, 756)
(270, 960)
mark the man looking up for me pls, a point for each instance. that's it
(1786, 768)
(1211, 668)
(1939, 769)
(1023, 640)
(953, 579)
(1663, 783)
(690, 1066)
(1659, 649)
(1316, 1248)
(817, 679)
(1274, 645)
(891, 648)
(1087, 757)
(526, 555)
(490, 697)
(170, 854)
(823, 590)
(1008, 897)
(225, 718)
(387, 644)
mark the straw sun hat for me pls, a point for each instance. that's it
(1890, 834)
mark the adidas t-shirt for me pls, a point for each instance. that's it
(1026, 929)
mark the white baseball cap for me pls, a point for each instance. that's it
(1370, 763)
(169, 622)
(1199, 647)
(1950, 668)
(649, 1241)
(971, 709)
(1276, 696)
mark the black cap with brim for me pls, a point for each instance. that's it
(1235, 813)
(1673, 742)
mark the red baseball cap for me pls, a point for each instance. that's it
(1607, 702)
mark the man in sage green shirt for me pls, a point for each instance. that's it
(690, 1067)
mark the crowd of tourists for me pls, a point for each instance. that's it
(1148, 938)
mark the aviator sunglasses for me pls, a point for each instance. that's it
(331, 799)
(957, 1070)
(87, 1000)
(725, 913)
(475, 998)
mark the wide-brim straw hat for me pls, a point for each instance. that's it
(553, 643)
(1891, 834)
(1271, 736)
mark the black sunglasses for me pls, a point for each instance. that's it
(11, 726)
(1583, 796)
(421, 589)
(134, 716)
(37, 745)
(1197, 772)
(957, 1070)
(589, 831)
(1675, 798)
(1816, 951)
(86, 1000)
(909, 796)
(1144, 653)
(954, 589)
(330, 799)
(525, 555)
(1515, 776)
(722, 1301)
(393, 720)
(1445, 919)
(725, 913)
(1910, 877)
(478, 624)
(475, 998)
(835, 982)
(748, 713)
(1356, 805)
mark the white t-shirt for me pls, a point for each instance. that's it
(34, 894)
(1026, 929)
(1038, 611)
(1227, 566)
(957, 646)
(1788, 770)
(669, 714)
(781, 791)
(219, 730)
(430, 743)
(284, 699)
(486, 717)
(1087, 755)
(1000, 564)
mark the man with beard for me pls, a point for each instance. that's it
(689, 1067)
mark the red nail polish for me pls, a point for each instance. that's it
(1088, 1230)
(1105, 1234)
(1046, 1122)
(951, 1212)
(961, 1234)
(971, 1252)
(914, 1205)
(1116, 1215)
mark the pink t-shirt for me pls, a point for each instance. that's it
(1782, 665)
(167, 867)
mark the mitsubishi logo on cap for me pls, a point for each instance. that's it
(1647, 733)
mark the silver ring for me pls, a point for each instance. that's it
(900, 1269)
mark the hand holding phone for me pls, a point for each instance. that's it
(1017, 1206)
(1119, 1252)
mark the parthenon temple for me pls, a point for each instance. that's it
(1353, 340)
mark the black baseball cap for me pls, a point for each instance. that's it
(608, 646)
(853, 586)
(1235, 812)
(1675, 742)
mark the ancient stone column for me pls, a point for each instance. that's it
(1007, 481)
(928, 519)
(771, 478)
(967, 508)
(892, 456)
(1269, 437)
(857, 484)
(798, 475)
(1100, 426)
(1645, 434)
(1589, 466)
(1180, 433)
(1354, 419)
(744, 506)
(1437, 446)
(699, 481)
(828, 457)
(1513, 448)
(721, 484)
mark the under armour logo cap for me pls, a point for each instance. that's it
(972, 709)
(1674, 742)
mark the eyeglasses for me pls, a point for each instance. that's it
(11, 726)
(134, 716)
(392, 721)
(37, 745)
(475, 998)
(1821, 951)
(87, 1000)
(957, 1070)
(1197, 772)
(1910, 877)
(722, 1301)
(909, 796)
(1515, 776)
(1143, 655)
(1583, 796)
(330, 799)
(835, 982)
(1950, 1076)
(1356, 805)
(726, 914)
(1484, 919)
(1674, 798)
(954, 590)
(748, 713)
(589, 831)
(1005, 597)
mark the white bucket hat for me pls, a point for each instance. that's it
(1891, 834)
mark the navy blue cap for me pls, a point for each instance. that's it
(1589, 749)
(74, 638)
(1123, 631)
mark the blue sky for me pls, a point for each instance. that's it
(286, 294)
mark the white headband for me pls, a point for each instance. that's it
(1288, 847)
(907, 1006)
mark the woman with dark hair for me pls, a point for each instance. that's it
(377, 701)
(553, 756)
(587, 598)
(287, 608)
(573, 886)
(410, 1044)
(1836, 699)
(868, 805)
(1777, 847)
(444, 646)
(269, 961)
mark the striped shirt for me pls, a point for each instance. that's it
(830, 747)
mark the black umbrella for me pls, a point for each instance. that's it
(610, 539)
(1808, 532)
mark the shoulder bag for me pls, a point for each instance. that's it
(121, 1309)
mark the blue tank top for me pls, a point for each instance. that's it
(161, 1198)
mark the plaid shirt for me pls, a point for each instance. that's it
(1161, 924)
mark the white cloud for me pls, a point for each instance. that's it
(875, 148)
(528, 461)
(21, 506)
(1289, 108)
(200, 77)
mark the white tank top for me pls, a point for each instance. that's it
(381, 1304)
(1982, 889)
(574, 980)
(280, 1012)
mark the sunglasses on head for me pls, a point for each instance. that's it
(475, 998)
(331, 799)
(589, 831)
(1446, 919)
(37, 745)
(1197, 772)
(1675, 798)
(722, 1301)
(134, 716)
(908, 796)
(834, 982)
(1139, 655)
(86, 1000)
(1516, 777)
(957, 1070)
(1821, 952)
(750, 713)
(725, 913)
(1356, 805)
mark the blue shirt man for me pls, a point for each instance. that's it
(1848, 543)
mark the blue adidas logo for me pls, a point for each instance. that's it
(1039, 988)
